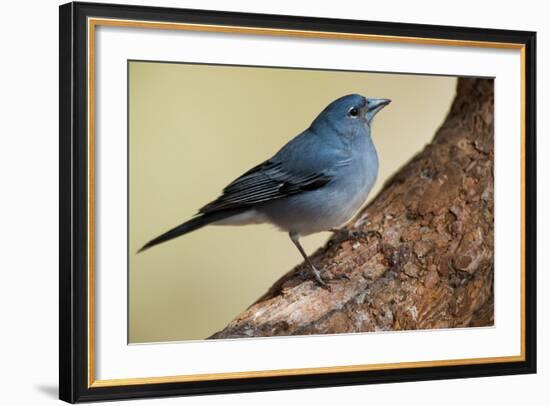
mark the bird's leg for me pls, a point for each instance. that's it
(316, 273)
(347, 234)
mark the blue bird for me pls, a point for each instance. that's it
(316, 182)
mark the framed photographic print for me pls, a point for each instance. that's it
(256, 202)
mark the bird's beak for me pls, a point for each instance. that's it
(374, 106)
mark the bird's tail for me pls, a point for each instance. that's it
(191, 225)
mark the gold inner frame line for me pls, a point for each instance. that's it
(94, 22)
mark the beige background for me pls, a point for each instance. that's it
(195, 128)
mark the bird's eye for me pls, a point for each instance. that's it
(353, 112)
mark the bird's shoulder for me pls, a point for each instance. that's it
(313, 152)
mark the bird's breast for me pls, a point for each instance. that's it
(356, 185)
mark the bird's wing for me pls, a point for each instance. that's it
(264, 182)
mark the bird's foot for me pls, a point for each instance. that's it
(306, 272)
(349, 234)
(319, 278)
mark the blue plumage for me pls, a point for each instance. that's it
(316, 182)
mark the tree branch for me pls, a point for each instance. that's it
(432, 266)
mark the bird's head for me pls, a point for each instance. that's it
(350, 113)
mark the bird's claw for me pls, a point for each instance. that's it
(305, 273)
(318, 276)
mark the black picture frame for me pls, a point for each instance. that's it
(73, 285)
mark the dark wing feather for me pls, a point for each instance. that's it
(264, 182)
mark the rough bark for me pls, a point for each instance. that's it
(431, 266)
